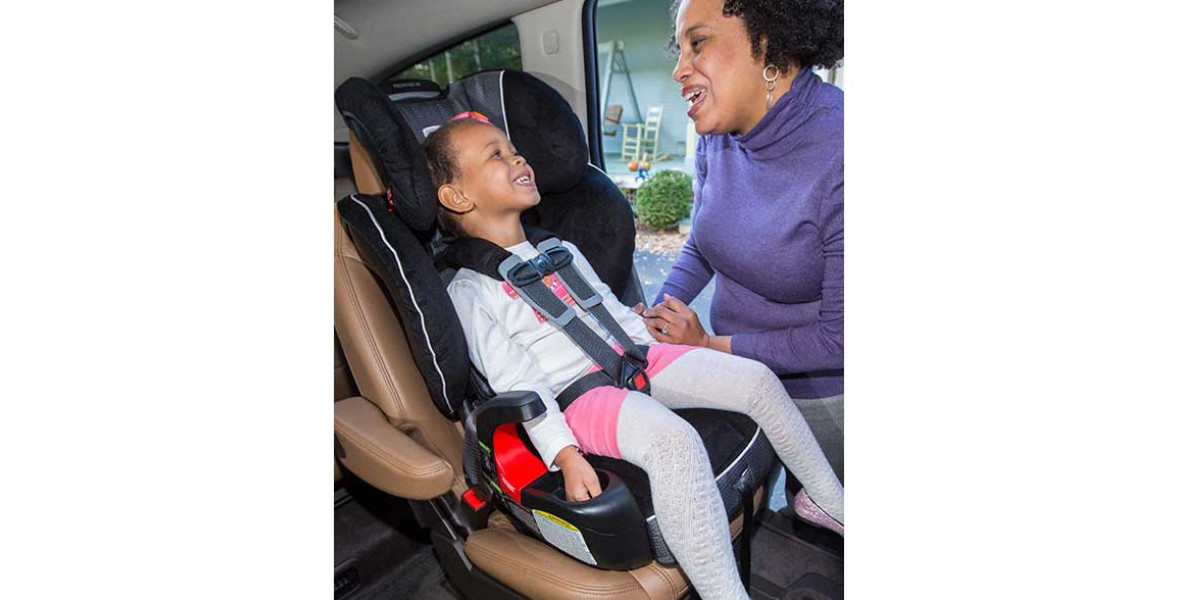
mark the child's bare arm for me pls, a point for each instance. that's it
(581, 481)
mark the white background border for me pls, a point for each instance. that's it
(1012, 246)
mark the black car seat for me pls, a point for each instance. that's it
(405, 349)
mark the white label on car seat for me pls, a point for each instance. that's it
(562, 534)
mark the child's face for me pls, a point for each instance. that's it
(492, 174)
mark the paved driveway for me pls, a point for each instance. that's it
(653, 270)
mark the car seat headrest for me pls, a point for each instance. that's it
(535, 117)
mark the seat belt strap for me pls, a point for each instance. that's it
(597, 379)
(582, 385)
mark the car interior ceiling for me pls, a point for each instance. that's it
(417, 28)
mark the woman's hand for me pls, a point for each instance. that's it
(673, 322)
(581, 481)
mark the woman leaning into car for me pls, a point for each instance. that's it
(768, 213)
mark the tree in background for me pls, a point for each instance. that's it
(497, 49)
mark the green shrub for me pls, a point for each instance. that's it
(664, 199)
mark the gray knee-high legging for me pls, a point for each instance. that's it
(689, 508)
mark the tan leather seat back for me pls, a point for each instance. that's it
(344, 387)
(375, 344)
(363, 171)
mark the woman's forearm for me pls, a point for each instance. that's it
(796, 350)
(720, 343)
(690, 273)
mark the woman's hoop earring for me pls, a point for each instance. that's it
(771, 83)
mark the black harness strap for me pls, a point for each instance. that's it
(528, 281)
(482, 256)
(590, 381)
(476, 254)
(588, 298)
(584, 384)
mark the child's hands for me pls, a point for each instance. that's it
(581, 481)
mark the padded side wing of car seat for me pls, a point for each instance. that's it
(399, 260)
(395, 151)
(545, 130)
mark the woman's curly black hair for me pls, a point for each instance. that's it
(808, 33)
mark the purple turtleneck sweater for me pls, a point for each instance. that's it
(768, 224)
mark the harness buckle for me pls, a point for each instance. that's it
(559, 256)
(544, 264)
(634, 376)
(524, 274)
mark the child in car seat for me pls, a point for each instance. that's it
(483, 185)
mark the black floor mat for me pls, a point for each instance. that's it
(418, 578)
(793, 561)
(381, 552)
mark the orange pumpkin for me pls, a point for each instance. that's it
(633, 166)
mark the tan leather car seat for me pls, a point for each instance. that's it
(344, 388)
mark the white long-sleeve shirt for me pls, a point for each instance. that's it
(518, 350)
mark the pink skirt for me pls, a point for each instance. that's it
(593, 416)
